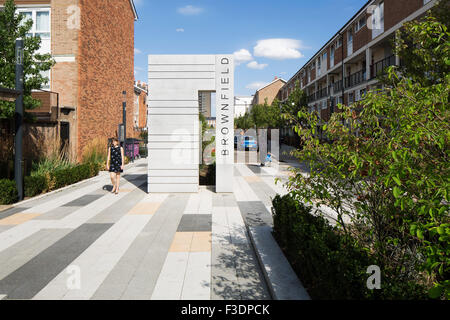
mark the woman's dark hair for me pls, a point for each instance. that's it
(115, 139)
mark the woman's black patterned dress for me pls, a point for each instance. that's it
(116, 160)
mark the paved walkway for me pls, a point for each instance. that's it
(86, 243)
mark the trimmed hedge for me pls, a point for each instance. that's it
(37, 184)
(330, 265)
(8, 191)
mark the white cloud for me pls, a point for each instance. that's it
(256, 65)
(190, 10)
(256, 85)
(242, 56)
(179, 30)
(279, 49)
(137, 51)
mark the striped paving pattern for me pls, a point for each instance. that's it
(85, 243)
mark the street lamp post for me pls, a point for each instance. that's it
(124, 116)
(18, 138)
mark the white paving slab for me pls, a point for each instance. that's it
(197, 281)
(170, 281)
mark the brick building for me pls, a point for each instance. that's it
(269, 92)
(92, 43)
(140, 107)
(346, 67)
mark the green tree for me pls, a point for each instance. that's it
(13, 26)
(386, 169)
(244, 122)
(423, 48)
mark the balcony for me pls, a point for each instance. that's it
(378, 68)
(322, 93)
(337, 86)
(311, 97)
(49, 108)
(355, 79)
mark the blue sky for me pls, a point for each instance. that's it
(270, 38)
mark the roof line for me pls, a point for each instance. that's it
(275, 80)
(133, 7)
(333, 37)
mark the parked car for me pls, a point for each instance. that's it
(249, 143)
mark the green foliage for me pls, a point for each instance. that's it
(425, 50)
(8, 191)
(46, 181)
(386, 169)
(34, 185)
(50, 164)
(11, 28)
(330, 265)
(244, 122)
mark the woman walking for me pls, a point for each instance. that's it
(115, 164)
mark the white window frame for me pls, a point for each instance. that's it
(33, 31)
(34, 12)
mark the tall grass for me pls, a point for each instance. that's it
(95, 151)
(54, 159)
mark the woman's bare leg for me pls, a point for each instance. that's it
(112, 175)
(117, 182)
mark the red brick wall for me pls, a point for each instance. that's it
(313, 74)
(142, 110)
(361, 38)
(397, 10)
(106, 64)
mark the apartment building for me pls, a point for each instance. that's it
(269, 92)
(242, 104)
(92, 43)
(346, 67)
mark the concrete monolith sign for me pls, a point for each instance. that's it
(173, 120)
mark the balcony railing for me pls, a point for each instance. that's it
(337, 86)
(322, 93)
(355, 79)
(379, 67)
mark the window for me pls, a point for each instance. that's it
(339, 42)
(324, 105)
(332, 56)
(324, 59)
(319, 65)
(360, 24)
(41, 21)
(378, 20)
(350, 41)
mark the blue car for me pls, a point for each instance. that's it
(249, 143)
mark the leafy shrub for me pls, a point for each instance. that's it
(35, 185)
(329, 264)
(8, 191)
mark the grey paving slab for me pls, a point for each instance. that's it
(255, 213)
(29, 279)
(117, 210)
(17, 255)
(282, 281)
(195, 223)
(263, 191)
(223, 200)
(236, 274)
(236, 172)
(136, 273)
(57, 213)
(83, 200)
(256, 169)
(9, 212)
(4, 228)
